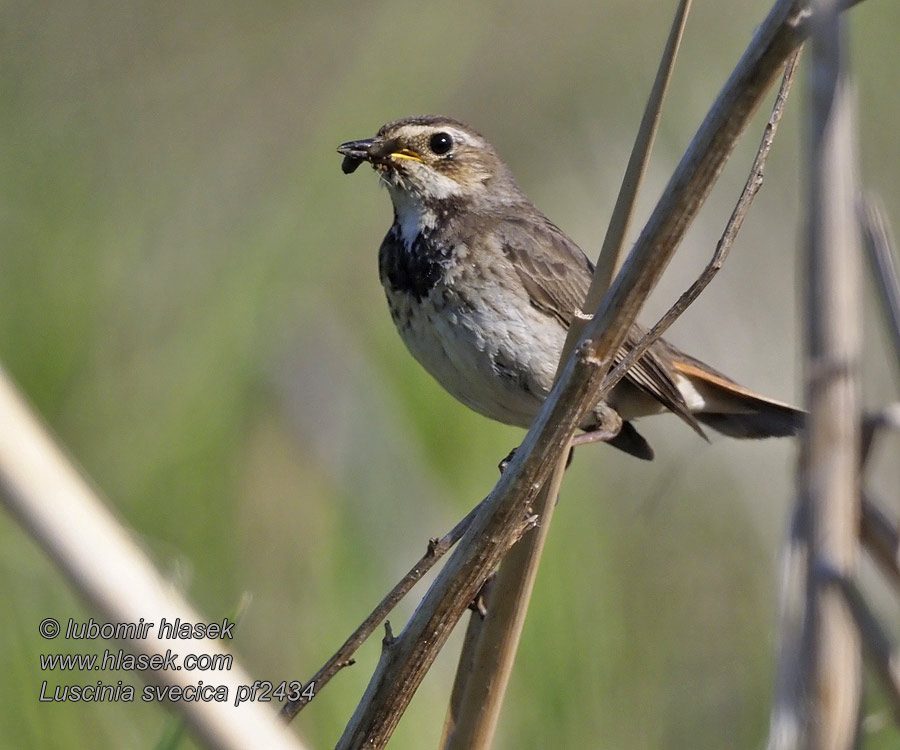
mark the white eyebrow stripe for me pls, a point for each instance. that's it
(412, 131)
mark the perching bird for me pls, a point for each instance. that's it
(483, 287)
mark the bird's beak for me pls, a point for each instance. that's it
(372, 150)
(357, 149)
(355, 153)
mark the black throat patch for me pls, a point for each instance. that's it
(413, 270)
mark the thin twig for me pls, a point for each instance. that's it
(879, 647)
(881, 251)
(611, 252)
(875, 423)
(879, 535)
(343, 657)
(723, 247)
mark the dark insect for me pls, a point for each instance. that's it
(350, 164)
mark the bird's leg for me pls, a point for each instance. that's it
(608, 426)
(593, 436)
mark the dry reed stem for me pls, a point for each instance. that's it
(99, 557)
(819, 676)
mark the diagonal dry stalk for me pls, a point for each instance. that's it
(101, 560)
(612, 249)
(881, 539)
(485, 662)
(501, 519)
(466, 665)
(881, 251)
(486, 665)
(879, 647)
(726, 241)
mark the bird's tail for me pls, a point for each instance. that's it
(732, 409)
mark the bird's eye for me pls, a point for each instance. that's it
(440, 143)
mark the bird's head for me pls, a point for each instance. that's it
(430, 160)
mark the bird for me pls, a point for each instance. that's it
(482, 288)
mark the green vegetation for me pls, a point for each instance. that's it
(189, 297)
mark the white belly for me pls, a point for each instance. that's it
(492, 352)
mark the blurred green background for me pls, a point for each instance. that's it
(189, 297)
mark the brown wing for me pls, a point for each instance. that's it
(552, 268)
(556, 274)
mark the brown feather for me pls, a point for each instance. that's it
(547, 272)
